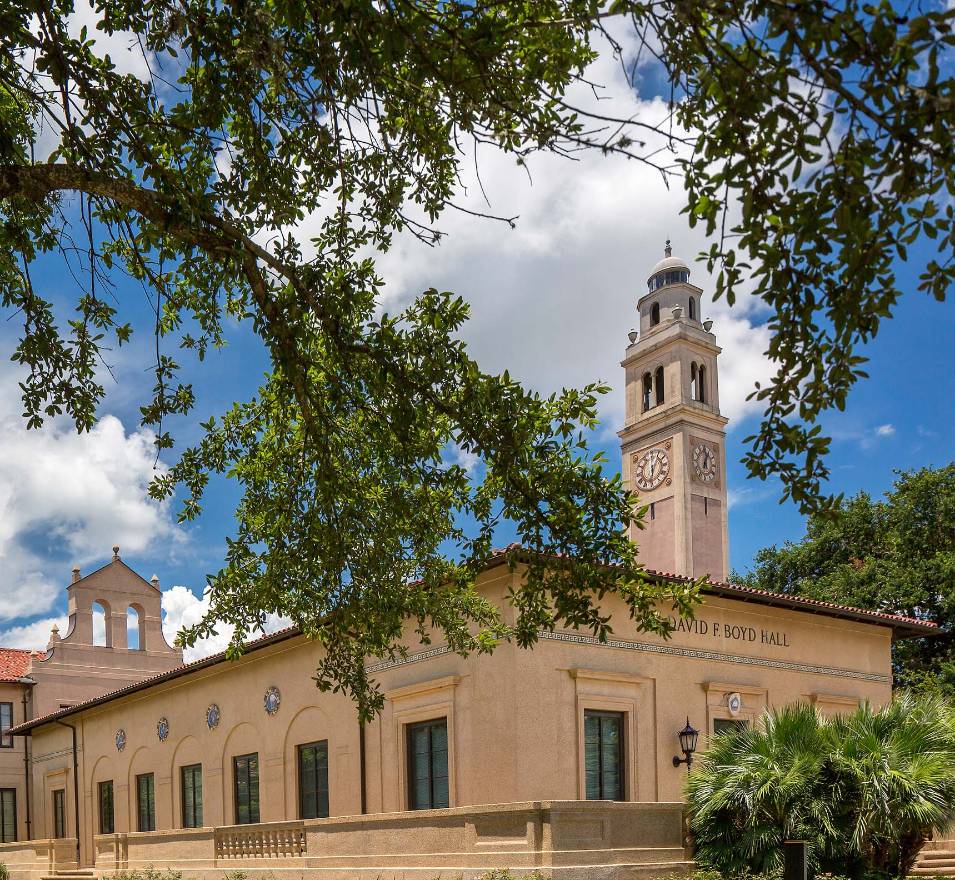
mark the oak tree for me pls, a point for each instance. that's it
(813, 140)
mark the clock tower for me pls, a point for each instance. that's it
(673, 439)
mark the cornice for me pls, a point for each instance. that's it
(688, 416)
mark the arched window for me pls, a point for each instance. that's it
(692, 309)
(701, 384)
(134, 629)
(694, 381)
(654, 314)
(658, 381)
(647, 391)
(101, 622)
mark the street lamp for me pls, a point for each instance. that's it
(688, 737)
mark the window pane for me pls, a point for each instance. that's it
(106, 825)
(192, 796)
(428, 765)
(8, 815)
(313, 780)
(6, 722)
(724, 725)
(146, 798)
(59, 813)
(246, 768)
(603, 755)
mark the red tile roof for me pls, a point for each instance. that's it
(902, 626)
(14, 663)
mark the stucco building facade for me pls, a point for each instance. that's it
(558, 759)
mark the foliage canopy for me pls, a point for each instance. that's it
(827, 124)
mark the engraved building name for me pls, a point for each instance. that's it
(716, 629)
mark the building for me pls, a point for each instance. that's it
(564, 759)
(127, 647)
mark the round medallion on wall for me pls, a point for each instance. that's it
(651, 469)
(735, 704)
(213, 716)
(120, 739)
(273, 699)
(704, 462)
(162, 729)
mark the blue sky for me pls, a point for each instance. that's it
(552, 302)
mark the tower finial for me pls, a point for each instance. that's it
(115, 553)
(668, 251)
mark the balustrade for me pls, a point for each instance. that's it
(273, 840)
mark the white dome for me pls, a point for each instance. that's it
(668, 263)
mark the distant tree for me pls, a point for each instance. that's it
(895, 555)
(813, 140)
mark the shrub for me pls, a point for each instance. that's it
(865, 789)
(147, 873)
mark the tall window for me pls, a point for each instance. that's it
(692, 309)
(8, 815)
(106, 823)
(694, 382)
(654, 314)
(246, 773)
(146, 802)
(701, 384)
(647, 391)
(604, 755)
(658, 382)
(313, 780)
(6, 722)
(191, 779)
(59, 812)
(428, 765)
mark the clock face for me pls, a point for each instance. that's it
(651, 469)
(704, 462)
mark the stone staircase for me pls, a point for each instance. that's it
(937, 859)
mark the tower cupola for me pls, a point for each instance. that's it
(670, 270)
(670, 295)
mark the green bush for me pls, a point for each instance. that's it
(864, 789)
(147, 873)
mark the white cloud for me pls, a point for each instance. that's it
(67, 498)
(885, 431)
(181, 608)
(33, 636)
(552, 299)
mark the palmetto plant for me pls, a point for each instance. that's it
(865, 789)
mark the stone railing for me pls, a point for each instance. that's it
(27, 858)
(269, 840)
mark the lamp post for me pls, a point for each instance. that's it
(688, 737)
